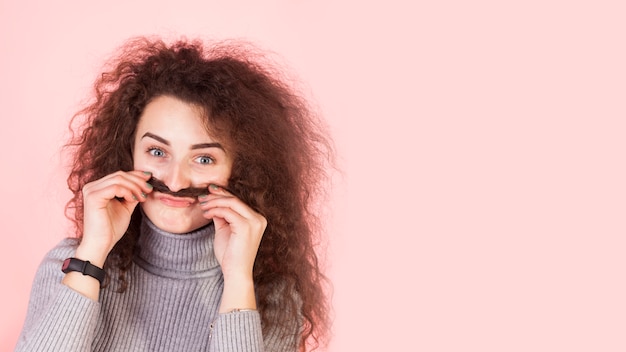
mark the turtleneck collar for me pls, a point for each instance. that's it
(178, 256)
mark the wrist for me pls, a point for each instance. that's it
(94, 254)
(238, 295)
(238, 277)
(84, 267)
(240, 310)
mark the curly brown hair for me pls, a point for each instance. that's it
(280, 148)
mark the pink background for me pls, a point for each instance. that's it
(483, 197)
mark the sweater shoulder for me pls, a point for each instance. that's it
(50, 266)
(66, 247)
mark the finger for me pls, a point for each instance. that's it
(213, 188)
(255, 224)
(229, 202)
(220, 190)
(227, 214)
(127, 185)
(105, 192)
(142, 179)
(142, 175)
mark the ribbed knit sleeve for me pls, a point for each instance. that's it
(58, 318)
(237, 332)
(241, 332)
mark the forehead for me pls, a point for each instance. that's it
(173, 119)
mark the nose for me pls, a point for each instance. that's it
(177, 178)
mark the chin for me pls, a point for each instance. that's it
(175, 220)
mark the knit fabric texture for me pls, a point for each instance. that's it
(171, 304)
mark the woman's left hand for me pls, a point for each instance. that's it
(238, 232)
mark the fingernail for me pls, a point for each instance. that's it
(202, 196)
(203, 203)
(214, 186)
(144, 195)
(149, 185)
(147, 173)
(135, 198)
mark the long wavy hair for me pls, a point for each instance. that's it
(281, 157)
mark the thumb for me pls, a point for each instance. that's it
(129, 205)
(219, 223)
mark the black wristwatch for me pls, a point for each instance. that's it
(84, 267)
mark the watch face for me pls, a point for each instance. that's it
(66, 264)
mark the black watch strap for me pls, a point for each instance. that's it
(84, 267)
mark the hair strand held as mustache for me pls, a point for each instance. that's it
(191, 192)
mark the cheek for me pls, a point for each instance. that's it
(140, 162)
(137, 162)
(207, 179)
(221, 175)
(139, 165)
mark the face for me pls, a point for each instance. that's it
(173, 143)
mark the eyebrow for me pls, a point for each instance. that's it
(193, 146)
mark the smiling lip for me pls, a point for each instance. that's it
(175, 201)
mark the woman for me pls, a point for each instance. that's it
(194, 174)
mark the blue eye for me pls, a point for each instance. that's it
(205, 160)
(156, 152)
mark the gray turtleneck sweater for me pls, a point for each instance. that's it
(171, 304)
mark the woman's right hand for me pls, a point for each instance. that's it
(108, 205)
